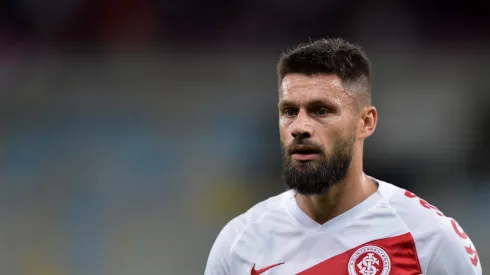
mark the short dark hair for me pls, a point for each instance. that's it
(328, 56)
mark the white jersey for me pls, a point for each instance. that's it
(392, 232)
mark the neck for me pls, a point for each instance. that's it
(353, 189)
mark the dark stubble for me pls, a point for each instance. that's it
(317, 176)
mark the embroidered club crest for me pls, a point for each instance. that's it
(369, 260)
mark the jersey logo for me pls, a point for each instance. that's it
(369, 260)
(260, 271)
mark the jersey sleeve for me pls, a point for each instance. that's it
(455, 253)
(218, 262)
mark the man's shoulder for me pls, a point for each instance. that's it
(256, 213)
(430, 227)
(416, 212)
(219, 256)
(422, 219)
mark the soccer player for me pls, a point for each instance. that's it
(335, 219)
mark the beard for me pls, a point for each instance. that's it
(317, 176)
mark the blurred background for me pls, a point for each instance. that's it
(132, 131)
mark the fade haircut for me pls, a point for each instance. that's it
(330, 56)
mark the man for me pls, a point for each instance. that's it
(334, 219)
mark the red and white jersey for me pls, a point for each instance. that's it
(393, 232)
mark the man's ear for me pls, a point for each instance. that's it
(368, 122)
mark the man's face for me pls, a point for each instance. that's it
(318, 125)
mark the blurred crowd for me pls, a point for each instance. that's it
(196, 25)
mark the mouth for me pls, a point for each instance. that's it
(305, 153)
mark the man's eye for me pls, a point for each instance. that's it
(322, 111)
(289, 112)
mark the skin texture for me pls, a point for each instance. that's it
(320, 110)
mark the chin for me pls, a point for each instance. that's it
(312, 190)
(305, 165)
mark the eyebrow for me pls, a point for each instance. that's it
(315, 102)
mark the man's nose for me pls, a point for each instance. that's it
(302, 126)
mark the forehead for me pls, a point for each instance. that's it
(315, 87)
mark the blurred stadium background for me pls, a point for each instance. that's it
(132, 131)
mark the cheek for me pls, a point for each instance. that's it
(284, 132)
(331, 133)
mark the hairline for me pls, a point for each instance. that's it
(361, 93)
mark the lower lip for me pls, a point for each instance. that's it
(304, 157)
